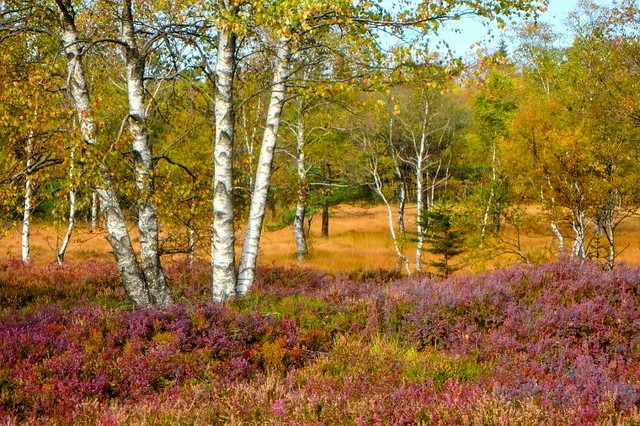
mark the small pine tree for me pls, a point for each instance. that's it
(444, 241)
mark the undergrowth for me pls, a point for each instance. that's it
(551, 344)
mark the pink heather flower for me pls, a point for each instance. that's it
(278, 408)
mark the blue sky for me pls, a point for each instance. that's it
(473, 31)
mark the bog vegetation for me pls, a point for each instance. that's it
(184, 131)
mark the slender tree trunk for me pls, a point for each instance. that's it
(72, 211)
(553, 225)
(144, 174)
(303, 190)
(223, 240)
(402, 186)
(94, 211)
(378, 188)
(246, 274)
(402, 201)
(420, 230)
(577, 224)
(324, 228)
(117, 232)
(610, 233)
(492, 193)
(27, 205)
(192, 246)
(421, 159)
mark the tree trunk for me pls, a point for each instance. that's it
(117, 232)
(72, 211)
(492, 193)
(402, 186)
(577, 224)
(144, 179)
(192, 246)
(554, 227)
(27, 205)
(223, 239)
(420, 160)
(378, 188)
(610, 233)
(324, 229)
(299, 236)
(246, 274)
(402, 200)
(94, 211)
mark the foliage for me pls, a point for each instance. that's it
(444, 241)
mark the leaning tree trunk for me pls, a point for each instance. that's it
(72, 211)
(147, 212)
(378, 188)
(223, 239)
(117, 231)
(402, 186)
(246, 274)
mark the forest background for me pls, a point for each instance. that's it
(526, 150)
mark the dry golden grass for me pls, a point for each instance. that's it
(359, 239)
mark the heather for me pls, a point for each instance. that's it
(547, 344)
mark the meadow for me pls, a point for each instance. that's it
(553, 343)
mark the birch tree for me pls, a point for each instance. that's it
(246, 272)
(144, 280)
(223, 239)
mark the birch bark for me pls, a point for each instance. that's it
(302, 249)
(420, 160)
(27, 205)
(246, 274)
(117, 232)
(378, 188)
(72, 211)
(94, 211)
(485, 219)
(223, 239)
(142, 148)
(553, 225)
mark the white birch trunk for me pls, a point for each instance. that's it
(553, 225)
(141, 144)
(610, 233)
(72, 211)
(577, 224)
(485, 219)
(378, 188)
(246, 274)
(302, 249)
(402, 187)
(419, 166)
(223, 238)
(192, 246)
(27, 205)
(94, 211)
(117, 232)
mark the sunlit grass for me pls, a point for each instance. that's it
(358, 240)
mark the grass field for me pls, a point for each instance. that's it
(359, 240)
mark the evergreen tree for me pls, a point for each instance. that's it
(445, 242)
